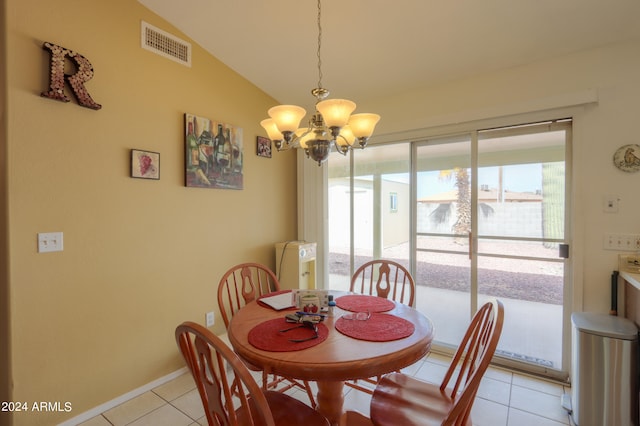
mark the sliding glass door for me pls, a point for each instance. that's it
(443, 228)
(476, 215)
(369, 209)
(521, 246)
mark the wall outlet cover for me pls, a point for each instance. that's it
(210, 319)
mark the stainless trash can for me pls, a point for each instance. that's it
(604, 368)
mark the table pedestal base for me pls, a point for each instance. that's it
(330, 400)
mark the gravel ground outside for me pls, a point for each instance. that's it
(534, 281)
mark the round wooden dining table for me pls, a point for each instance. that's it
(336, 359)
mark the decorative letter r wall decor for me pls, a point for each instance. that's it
(57, 76)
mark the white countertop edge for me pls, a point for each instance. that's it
(633, 279)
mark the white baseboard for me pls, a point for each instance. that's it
(122, 398)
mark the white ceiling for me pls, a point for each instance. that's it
(372, 48)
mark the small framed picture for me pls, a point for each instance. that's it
(145, 164)
(264, 147)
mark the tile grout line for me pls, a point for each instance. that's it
(510, 408)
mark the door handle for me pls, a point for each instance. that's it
(563, 251)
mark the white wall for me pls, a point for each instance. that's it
(599, 129)
(513, 219)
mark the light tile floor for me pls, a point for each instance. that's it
(505, 398)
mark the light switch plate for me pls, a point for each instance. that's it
(50, 241)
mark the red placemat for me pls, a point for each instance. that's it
(267, 336)
(364, 303)
(378, 328)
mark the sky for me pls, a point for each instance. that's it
(516, 178)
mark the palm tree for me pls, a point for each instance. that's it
(463, 220)
(462, 226)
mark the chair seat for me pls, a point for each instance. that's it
(403, 400)
(287, 411)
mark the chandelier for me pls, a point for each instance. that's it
(332, 122)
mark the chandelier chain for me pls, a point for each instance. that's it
(319, 46)
(332, 123)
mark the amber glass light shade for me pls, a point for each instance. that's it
(287, 117)
(335, 112)
(272, 130)
(345, 139)
(363, 125)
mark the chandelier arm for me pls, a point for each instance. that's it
(335, 132)
(347, 144)
(342, 149)
(280, 147)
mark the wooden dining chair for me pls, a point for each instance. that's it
(237, 399)
(382, 278)
(403, 400)
(240, 285)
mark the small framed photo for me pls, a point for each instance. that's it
(145, 164)
(264, 147)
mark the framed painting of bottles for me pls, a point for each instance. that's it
(213, 154)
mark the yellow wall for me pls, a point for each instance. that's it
(4, 287)
(96, 320)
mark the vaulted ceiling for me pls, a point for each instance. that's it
(372, 48)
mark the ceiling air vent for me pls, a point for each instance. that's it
(165, 44)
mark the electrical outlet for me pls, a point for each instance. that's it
(630, 243)
(614, 242)
(210, 319)
(609, 243)
(622, 242)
